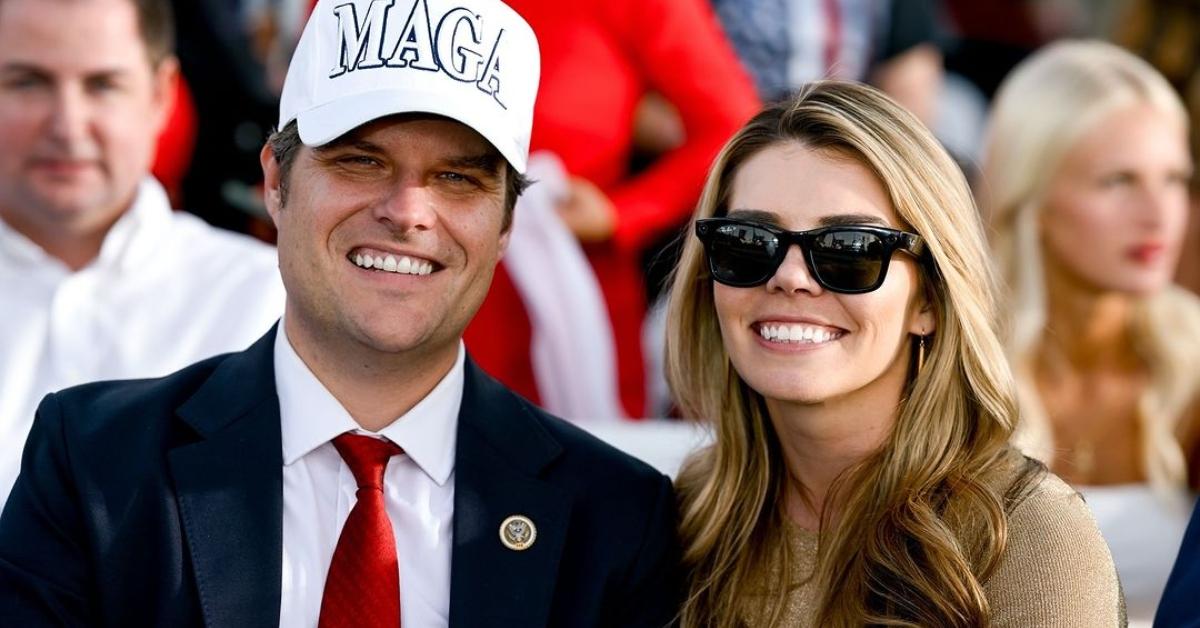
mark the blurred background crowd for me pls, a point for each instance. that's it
(635, 101)
(637, 97)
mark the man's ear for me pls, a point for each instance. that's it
(166, 91)
(505, 236)
(272, 193)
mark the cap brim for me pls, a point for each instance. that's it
(323, 124)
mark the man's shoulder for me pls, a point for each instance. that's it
(129, 406)
(588, 459)
(1178, 607)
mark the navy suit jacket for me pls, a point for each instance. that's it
(159, 503)
(1180, 605)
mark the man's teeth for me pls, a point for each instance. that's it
(404, 266)
(801, 334)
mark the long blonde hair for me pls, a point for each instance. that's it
(898, 555)
(1041, 110)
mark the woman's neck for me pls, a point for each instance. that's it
(1087, 330)
(820, 441)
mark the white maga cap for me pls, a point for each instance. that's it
(475, 61)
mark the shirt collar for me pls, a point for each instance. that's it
(310, 416)
(127, 245)
(132, 239)
(15, 245)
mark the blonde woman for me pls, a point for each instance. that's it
(833, 321)
(1086, 185)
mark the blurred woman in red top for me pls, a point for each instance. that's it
(599, 59)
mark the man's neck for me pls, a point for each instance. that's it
(374, 387)
(75, 246)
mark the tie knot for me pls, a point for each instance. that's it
(367, 457)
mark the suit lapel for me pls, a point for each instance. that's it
(229, 485)
(501, 450)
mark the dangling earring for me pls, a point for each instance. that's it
(920, 353)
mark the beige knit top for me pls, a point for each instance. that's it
(1056, 571)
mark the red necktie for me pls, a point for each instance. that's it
(362, 589)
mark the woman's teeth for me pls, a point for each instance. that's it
(799, 334)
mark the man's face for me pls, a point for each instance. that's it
(80, 112)
(388, 236)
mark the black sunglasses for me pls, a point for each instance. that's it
(850, 259)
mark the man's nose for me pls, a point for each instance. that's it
(69, 116)
(410, 206)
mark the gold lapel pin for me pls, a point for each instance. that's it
(518, 533)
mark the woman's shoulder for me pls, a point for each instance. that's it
(1048, 505)
(1056, 568)
(1041, 508)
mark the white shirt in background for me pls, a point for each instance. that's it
(166, 290)
(319, 491)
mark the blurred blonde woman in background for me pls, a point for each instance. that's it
(862, 407)
(1086, 184)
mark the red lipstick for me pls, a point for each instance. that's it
(1146, 253)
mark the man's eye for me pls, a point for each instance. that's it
(23, 82)
(101, 85)
(458, 177)
(358, 160)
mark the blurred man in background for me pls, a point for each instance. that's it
(100, 279)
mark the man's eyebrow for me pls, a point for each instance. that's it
(487, 162)
(23, 68)
(349, 141)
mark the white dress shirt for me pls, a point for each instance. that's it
(319, 491)
(166, 290)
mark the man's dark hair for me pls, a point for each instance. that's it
(285, 145)
(156, 25)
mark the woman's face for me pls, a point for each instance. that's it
(849, 341)
(1116, 212)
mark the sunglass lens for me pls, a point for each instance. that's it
(848, 260)
(741, 254)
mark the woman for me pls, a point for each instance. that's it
(1086, 184)
(861, 471)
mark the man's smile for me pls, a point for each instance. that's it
(391, 263)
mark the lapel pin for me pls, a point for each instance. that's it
(518, 533)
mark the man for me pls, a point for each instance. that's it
(99, 279)
(353, 467)
(1178, 607)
